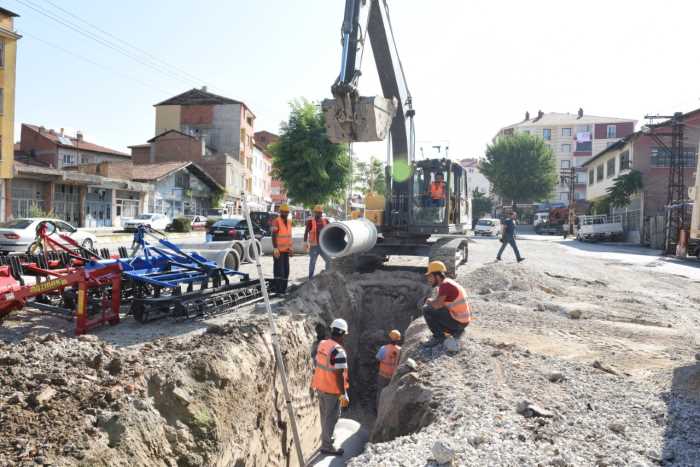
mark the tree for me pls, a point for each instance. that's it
(520, 168)
(480, 205)
(313, 169)
(369, 176)
(624, 186)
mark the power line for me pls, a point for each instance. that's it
(97, 64)
(128, 44)
(102, 41)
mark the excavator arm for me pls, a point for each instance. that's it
(353, 118)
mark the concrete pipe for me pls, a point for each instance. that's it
(250, 248)
(225, 245)
(223, 258)
(348, 237)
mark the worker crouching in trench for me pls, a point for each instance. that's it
(449, 313)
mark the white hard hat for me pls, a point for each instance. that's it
(340, 324)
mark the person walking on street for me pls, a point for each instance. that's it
(282, 244)
(449, 313)
(508, 236)
(311, 236)
(388, 357)
(330, 381)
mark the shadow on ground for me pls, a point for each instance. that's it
(682, 435)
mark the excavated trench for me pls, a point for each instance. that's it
(216, 399)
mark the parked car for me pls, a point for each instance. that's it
(263, 219)
(234, 229)
(197, 222)
(17, 235)
(156, 221)
(490, 227)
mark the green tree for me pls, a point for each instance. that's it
(624, 186)
(521, 168)
(481, 204)
(313, 169)
(369, 176)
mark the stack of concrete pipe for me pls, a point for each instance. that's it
(228, 253)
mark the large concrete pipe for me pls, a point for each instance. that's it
(227, 258)
(344, 238)
(250, 250)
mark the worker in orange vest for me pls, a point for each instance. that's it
(282, 244)
(437, 190)
(311, 236)
(388, 357)
(449, 313)
(330, 381)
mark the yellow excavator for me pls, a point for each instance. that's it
(427, 209)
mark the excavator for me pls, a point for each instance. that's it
(420, 218)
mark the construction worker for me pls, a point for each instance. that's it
(388, 357)
(438, 191)
(449, 313)
(282, 244)
(311, 236)
(330, 381)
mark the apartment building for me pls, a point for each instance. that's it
(475, 179)
(8, 73)
(261, 183)
(278, 192)
(640, 151)
(574, 139)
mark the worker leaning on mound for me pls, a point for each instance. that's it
(388, 357)
(331, 382)
(448, 313)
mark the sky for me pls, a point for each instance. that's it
(472, 66)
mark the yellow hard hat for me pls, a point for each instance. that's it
(436, 266)
(318, 208)
(284, 208)
(394, 335)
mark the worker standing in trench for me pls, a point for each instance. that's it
(388, 357)
(449, 313)
(311, 236)
(331, 382)
(282, 244)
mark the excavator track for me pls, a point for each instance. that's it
(452, 251)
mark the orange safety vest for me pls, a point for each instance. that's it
(313, 231)
(459, 309)
(387, 366)
(437, 190)
(325, 379)
(283, 232)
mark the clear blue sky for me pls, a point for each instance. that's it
(473, 67)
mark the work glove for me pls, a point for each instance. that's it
(276, 253)
(344, 401)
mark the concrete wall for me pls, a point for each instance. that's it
(7, 83)
(176, 147)
(227, 121)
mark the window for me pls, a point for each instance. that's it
(611, 167)
(68, 160)
(566, 148)
(586, 146)
(591, 177)
(599, 173)
(624, 160)
(563, 196)
(660, 157)
(612, 131)
(547, 134)
(581, 178)
(580, 195)
(566, 132)
(2, 101)
(2, 52)
(565, 164)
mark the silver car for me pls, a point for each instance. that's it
(18, 234)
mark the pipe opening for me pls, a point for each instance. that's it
(335, 240)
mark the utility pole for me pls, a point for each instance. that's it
(677, 216)
(568, 176)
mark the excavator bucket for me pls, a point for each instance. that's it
(369, 119)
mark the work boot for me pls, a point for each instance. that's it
(333, 451)
(520, 260)
(433, 342)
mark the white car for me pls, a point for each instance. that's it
(155, 221)
(17, 235)
(490, 227)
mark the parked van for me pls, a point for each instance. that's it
(487, 226)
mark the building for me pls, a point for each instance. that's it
(573, 138)
(278, 193)
(261, 183)
(639, 151)
(475, 179)
(8, 65)
(180, 188)
(222, 129)
(59, 150)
